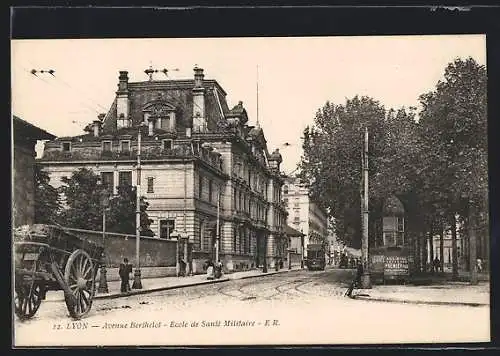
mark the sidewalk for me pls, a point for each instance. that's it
(449, 293)
(150, 285)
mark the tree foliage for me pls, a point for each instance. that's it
(431, 163)
(47, 202)
(82, 200)
(84, 209)
(122, 213)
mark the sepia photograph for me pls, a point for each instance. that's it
(299, 190)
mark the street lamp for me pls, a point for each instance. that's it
(103, 283)
(137, 273)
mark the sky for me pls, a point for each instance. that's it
(295, 75)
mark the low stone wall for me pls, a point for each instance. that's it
(153, 252)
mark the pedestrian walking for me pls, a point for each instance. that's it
(356, 282)
(210, 269)
(124, 272)
(436, 264)
(479, 265)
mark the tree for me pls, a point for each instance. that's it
(454, 129)
(331, 161)
(84, 210)
(82, 200)
(47, 201)
(122, 213)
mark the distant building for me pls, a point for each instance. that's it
(195, 153)
(25, 137)
(295, 246)
(304, 214)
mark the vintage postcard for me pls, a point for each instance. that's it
(250, 191)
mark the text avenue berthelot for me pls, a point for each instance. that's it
(155, 324)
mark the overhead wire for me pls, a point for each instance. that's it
(33, 74)
(59, 79)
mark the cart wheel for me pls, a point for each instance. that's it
(27, 300)
(79, 275)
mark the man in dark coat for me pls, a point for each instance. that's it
(356, 282)
(124, 272)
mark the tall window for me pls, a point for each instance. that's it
(150, 185)
(166, 228)
(106, 146)
(125, 146)
(166, 145)
(200, 186)
(210, 190)
(125, 178)
(107, 179)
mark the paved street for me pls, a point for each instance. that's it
(298, 307)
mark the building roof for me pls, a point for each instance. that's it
(26, 131)
(290, 231)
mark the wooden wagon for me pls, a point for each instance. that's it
(49, 257)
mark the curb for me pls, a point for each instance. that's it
(406, 301)
(159, 289)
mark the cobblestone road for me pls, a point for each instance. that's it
(305, 307)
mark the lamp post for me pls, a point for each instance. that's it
(103, 283)
(137, 273)
(365, 278)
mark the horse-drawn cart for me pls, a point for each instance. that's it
(49, 257)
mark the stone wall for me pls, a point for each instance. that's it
(154, 252)
(24, 186)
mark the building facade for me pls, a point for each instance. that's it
(303, 213)
(25, 137)
(203, 167)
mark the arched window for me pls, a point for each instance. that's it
(162, 113)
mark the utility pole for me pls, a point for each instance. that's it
(365, 278)
(137, 274)
(103, 282)
(217, 236)
(185, 236)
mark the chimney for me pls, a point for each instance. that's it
(122, 104)
(198, 77)
(97, 127)
(123, 81)
(199, 120)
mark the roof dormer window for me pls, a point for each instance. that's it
(106, 147)
(122, 121)
(66, 146)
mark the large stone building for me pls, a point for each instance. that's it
(303, 213)
(195, 153)
(25, 137)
